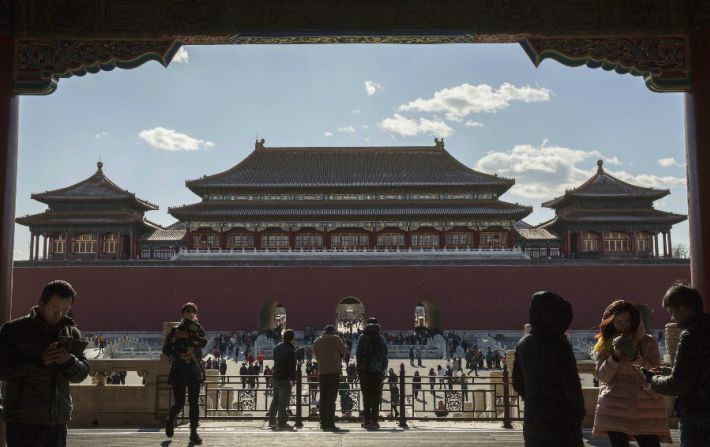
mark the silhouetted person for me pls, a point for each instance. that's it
(371, 368)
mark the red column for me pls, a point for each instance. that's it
(37, 247)
(67, 245)
(8, 172)
(98, 245)
(568, 244)
(697, 134)
(656, 251)
(600, 240)
(670, 246)
(120, 245)
(46, 243)
(32, 246)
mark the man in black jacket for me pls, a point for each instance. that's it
(36, 365)
(545, 375)
(372, 363)
(283, 377)
(184, 346)
(690, 377)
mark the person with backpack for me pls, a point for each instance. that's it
(372, 363)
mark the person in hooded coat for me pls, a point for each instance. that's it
(545, 376)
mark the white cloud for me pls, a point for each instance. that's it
(348, 129)
(170, 140)
(365, 126)
(327, 134)
(357, 111)
(544, 172)
(668, 162)
(406, 127)
(471, 123)
(371, 87)
(460, 101)
(182, 56)
(101, 135)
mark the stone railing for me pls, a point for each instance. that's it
(216, 253)
(127, 405)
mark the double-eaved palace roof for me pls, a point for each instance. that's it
(110, 205)
(98, 187)
(605, 186)
(596, 203)
(349, 168)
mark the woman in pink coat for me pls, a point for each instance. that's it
(627, 408)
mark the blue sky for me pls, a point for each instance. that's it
(155, 127)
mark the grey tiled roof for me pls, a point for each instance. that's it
(535, 234)
(349, 168)
(165, 235)
(98, 186)
(350, 209)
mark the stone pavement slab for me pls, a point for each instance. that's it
(218, 435)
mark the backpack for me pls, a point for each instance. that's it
(378, 359)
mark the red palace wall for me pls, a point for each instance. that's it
(140, 298)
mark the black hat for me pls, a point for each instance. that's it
(330, 329)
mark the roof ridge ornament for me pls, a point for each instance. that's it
(600, 166)
(439, 143)
(100, 166)
(259, 144)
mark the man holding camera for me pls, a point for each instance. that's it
(40, 354)
(184, 346)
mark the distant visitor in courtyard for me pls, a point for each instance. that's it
(545, 375)
(329, 350)
(183, 346)
(689, 379)
(372, 363)
(627, 409)
(283, 377)
(40, 354)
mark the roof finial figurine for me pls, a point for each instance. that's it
(439, 142)
(600, 169)
(100, 165)
(259, 144)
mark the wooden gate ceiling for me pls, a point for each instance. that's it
(61, 38)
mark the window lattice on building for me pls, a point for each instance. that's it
(110, 243)
(390, 239)
(85, 243)
(58, 243)
(240, 240)
(309, 240)
(462, 239)
(274, 240)
(493, 239)
(616, 242)
(425, 240)
(643, 243)
(205, 241)
(344, 240)
(590, 242)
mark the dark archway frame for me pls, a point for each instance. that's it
(665, 41)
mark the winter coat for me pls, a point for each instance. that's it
(371, 352)
(626, 403)
(34, 393)
(690, 377)
(284, 362)
(545, 375)
(182, 371)
(329, 350)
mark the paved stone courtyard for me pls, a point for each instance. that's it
(440, 434)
